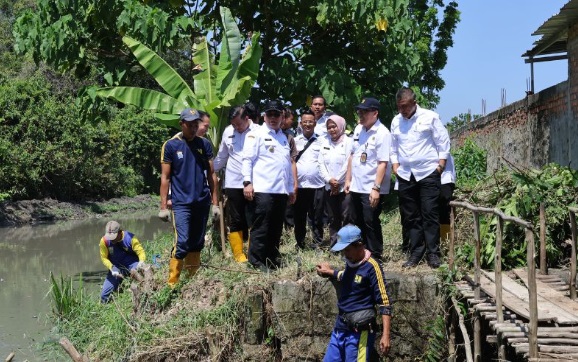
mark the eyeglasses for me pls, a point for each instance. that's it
(273, 114)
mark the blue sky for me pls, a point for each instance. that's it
(486, 56)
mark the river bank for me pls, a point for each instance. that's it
(18, 213)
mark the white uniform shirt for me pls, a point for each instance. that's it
(230, 154)
(321, 128)
(376, 144)
(308, 176)
(449, 174)
(418, 143)
(333, 160)
(267, 161)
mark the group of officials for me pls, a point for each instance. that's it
(326, 175)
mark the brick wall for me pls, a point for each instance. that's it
(531, 132)
(536, 130)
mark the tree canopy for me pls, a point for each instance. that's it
(342, 49)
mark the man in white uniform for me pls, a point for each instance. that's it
(268, 181)
(419, 151)
(368, 174)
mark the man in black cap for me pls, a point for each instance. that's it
(368, 173)
(186, 163)
(268, 181)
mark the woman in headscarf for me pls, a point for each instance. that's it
(333, 157)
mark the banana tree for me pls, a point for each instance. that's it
(216, 87)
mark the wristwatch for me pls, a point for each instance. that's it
(376, 187)
(441, 167)
(246, 183)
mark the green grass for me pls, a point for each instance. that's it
(205, 311)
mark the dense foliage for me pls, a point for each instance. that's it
(470, 162)
(46, 151)
(382, 44)
(86, 36)
(519, 192)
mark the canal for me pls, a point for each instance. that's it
(28, 255)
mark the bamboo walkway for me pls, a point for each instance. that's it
(557, 334)
(535, 314)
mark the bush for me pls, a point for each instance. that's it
(46, 151)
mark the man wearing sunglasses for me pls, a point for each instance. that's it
(268, 181)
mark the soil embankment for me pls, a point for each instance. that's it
(15, 213)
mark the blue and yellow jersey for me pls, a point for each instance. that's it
(363, 287)
(189, 163)
(123, 253)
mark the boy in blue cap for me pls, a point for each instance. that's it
(363, 287)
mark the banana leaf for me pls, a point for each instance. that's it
(230, 52)
(171, 120)
(163, 73)
(203, 81)
(143, 98)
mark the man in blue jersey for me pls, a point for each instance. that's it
(122, 254)
(186, 163)
(363, 287)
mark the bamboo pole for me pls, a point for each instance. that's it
(543, 263)
(498, 269)
(498, 281)
(452, 237)
(467, 342)
(573, 212)
(532, 291)
(222, 229)
(477, 291)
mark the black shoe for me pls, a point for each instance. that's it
(410, 263)
(434, 261)
(260, 267)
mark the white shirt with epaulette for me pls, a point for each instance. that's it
(267, 161)
(370, 146)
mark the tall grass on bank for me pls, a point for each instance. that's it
(65, 297)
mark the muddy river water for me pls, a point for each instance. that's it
(27, 256)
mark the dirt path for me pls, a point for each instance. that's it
(14, 213)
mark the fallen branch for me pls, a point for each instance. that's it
(72, 351)
(10, 356)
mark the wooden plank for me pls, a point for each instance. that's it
(552, 295)
(557, 341)
(523, 347)
(546, 309)
(511, 300)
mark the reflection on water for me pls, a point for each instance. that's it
(27, 256)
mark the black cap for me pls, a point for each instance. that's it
(190, 114)
(368, 103)
(274, 105)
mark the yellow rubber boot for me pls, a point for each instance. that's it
(192, 263)
(175, 267)
(236, 241)
(444, 231)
